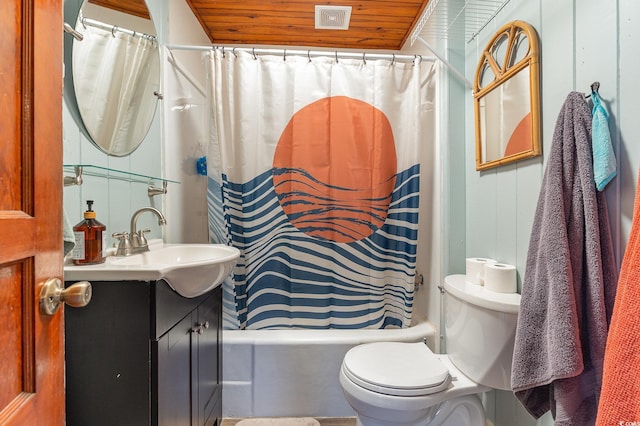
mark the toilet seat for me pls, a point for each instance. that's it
(395, 368)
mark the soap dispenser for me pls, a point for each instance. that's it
(91, 239)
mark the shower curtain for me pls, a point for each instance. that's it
(314, 175)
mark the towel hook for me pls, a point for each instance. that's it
(595, 86)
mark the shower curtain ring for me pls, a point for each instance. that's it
(223, 51)
(414, 60)
(234, 52)
(393, 59)
(337, 57)
(364, 60)
(309, 55)
(253, 52)
(284, 55)
(113, 30)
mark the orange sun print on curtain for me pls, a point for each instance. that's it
(334, 169)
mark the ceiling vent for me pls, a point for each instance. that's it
(332, 17)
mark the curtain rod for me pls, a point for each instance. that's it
(308, 53)
(185, 74)
(113, 28)
(447, 63)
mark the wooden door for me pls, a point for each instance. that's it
(32, 350)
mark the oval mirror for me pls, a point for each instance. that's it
(112, 74)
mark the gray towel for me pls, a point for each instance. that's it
(569, 284)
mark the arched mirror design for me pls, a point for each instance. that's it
(112, 73)
(507, 97)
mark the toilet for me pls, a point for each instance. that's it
(406, 384)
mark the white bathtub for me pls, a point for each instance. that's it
(270, 373)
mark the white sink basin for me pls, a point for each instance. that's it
(190, 269)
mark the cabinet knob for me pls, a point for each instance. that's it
(200, 328)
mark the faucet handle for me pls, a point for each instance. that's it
(124, 243)
(120, 236)
(141, 237)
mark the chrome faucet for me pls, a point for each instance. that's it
(138, 240)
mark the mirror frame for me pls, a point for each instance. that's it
(502, 73)
(71, 12)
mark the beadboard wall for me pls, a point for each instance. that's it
(581, 42)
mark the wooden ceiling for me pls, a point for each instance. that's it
(132, 7)
(374, 24)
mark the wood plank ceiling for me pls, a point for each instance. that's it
(133, 7)
(374, 24)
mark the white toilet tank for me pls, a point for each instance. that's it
(480, 328)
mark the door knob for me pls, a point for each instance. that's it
(52, 295)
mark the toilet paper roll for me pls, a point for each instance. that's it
(475, 269)
(501, 278)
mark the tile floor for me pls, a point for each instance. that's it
(326, 421)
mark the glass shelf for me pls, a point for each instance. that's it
(108, 173)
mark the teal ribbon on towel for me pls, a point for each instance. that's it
(604, 159)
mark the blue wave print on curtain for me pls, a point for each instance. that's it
(327, 213)
(219, 234)
(289, 278)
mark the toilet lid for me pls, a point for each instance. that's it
(394, 368)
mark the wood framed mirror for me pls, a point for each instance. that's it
(507, 97)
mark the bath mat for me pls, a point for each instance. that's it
(279, 421)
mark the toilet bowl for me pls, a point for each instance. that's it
(391, 383)
(406, 384)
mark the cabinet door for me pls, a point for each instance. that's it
(208, 377)
(107, 357)
(173, 375)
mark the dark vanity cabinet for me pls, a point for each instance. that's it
(141, 354)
